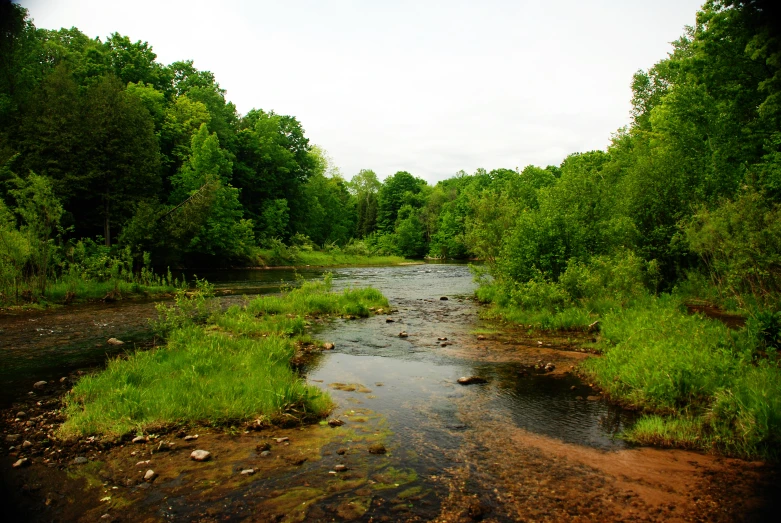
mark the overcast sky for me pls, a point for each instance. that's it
(430, 87)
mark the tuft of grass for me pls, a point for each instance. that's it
(234, 367)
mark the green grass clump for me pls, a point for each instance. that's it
(704, 383)
(234, 367)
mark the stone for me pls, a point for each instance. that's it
(328, 346)
(247, 472)
(341, 452)
(265, 454)
(21, 463)
(191, 438)
(150, 475)
(377, 448)
(63, 379)
(139, 439)
(282, 439)
(444, 298)
(80, 460)
(21, 414)
(335, 422)
(389, 320)
(550, 366)
(340, 468)
(442, 338)
(200, 455)
(403, 334)
(114, 341)
(12, 438)
(480, 337)
(39, 384)
(469, 380)
(26, 444)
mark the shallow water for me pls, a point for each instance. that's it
(535, 435)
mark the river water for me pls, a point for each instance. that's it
(503, 450)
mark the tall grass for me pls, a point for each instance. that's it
(705, 385)
(235, 366)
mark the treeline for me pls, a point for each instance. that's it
(102, 145)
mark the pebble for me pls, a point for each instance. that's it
(282, 440)
(341, 452)
(335, 422)
(444, 298)
(11, 438)
(200, 455)
(39, 384)
(442, 339)
(265, 454)
(80, 460)
(190, 438)
(150, 475)
(340, 468)
(389, 320)
(247, 472)
(471, 379)
(481, 337)
(21, 463)
(403, 334)
(328, 346)
(21, 414)
(141, 463)
(26, 444)
(139, 439)
(114, 341)
(63, 379)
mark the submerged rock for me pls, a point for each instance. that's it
(377, 448)
(200, 455)
(469, 380)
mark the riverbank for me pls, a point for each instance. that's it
(702, 383)
(290, 257)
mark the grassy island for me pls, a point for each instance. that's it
(216, 367)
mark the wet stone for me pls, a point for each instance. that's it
(201, 455)
(470, 380)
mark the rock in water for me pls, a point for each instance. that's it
(403, 334)
(377, 448)
(114, 341)
(39, 384)
(471, 380)
(247, 472)
(340, 468)
(444, 298)
(335, 422)
(190, 438)
(150, 475)
(328, 346)
(201, 455)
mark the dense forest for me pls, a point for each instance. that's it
(107, 155)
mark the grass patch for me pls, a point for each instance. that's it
(706, 386)
(233, 367)
(296, 257)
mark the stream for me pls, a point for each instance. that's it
(528, 444)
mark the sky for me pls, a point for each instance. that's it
(428, 86)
